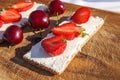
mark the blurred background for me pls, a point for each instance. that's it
(110, 5)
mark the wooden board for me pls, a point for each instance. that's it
(99, 59)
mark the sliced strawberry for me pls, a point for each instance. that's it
(81, 15)
(67, 30)
(23, 6)
(70, 24)
(54, 46)
(10, 15)
(1, 23)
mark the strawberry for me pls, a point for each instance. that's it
(10, 15)
(1, 23)
(68, 30)
(70, 24)
(55, 45)
(23, 6)
(81, 15)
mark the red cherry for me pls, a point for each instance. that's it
(13, 35)
(39, 19)
(56, 7)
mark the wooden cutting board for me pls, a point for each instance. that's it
(99, 59)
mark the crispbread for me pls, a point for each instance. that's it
(38, 57)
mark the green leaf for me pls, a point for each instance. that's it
(64, 40)
(83, 34)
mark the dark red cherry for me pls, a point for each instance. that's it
(13, 34)
(56, 7)
(39, 19)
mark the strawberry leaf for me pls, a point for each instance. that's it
(83, 33)
(64, 40)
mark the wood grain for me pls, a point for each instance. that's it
(99, 59)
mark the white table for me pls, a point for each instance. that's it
(110, 5)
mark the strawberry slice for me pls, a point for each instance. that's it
(1, 23)
(10, 15)
(76, 28)
(23, 6)
(70, 24)
(55, 45)
(67, 30)
(81, 15)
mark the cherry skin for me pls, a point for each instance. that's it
(39, 19)
(13, 35)
(56, 7)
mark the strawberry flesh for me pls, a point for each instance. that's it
(23, 6)
(70, 24)
(68, 33)
(54, 46)
(10, 15)
(67, 30)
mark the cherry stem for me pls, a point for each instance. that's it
(34, 31)
(57, 19)
(9, 46)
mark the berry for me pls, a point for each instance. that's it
(56, 7)
(82, 15)
(54, 46)
(39, 19)
(13, 35)
(23, 6)
(10, 15)
(68, 30)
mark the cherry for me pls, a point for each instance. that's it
(39, 19)
(13, 34)
(56, 7)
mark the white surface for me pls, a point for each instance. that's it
(57, 63)
(111, 5)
